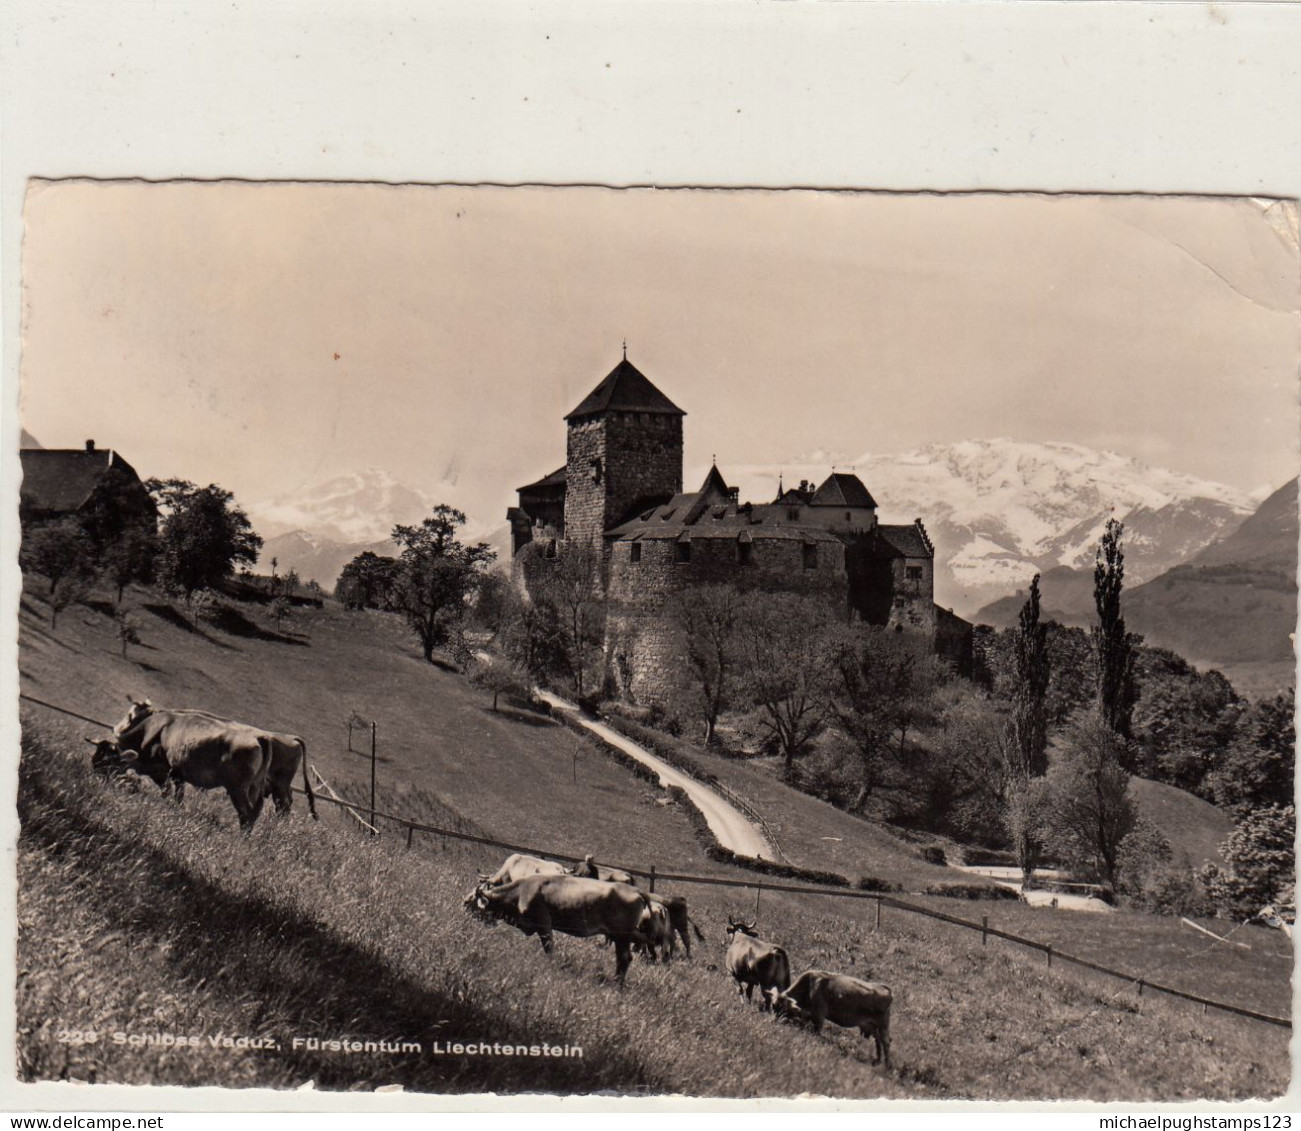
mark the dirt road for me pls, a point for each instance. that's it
(732, 828)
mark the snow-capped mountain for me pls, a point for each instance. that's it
(999, 511)
(362, 506)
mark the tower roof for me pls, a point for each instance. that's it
(625, 389)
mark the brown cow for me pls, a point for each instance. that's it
(518, 867)
(573, 905)
(753, 962)
(181, 749)
(594, 871)
(819, 996)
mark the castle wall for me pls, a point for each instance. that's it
(644, 649)
(913, 586)
(616, 461)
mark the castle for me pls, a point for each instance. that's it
(621, 490)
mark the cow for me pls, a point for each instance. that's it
(179, 749)
(593, 871)
(676, 907)
(658, 942)
(573, 905)
(753, 962)
(518, 867)
(289, 751)
(820, 996)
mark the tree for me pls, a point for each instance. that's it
(438, 574)
(706, 617)
(1084, 798)
(501, 677)
(203, 536)
(1258, 768)
(127, 630)
(1029, 718)
(1114, 647)
(785, 668)
(571, 584)
(130, 557)
(369, 581)
(1027, 746)
(878, 688)
(61, 552)
(1260, 864)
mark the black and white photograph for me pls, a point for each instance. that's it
(650, 558)
(503, 639)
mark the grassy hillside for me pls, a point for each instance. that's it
(138, 917)
(1194, 828)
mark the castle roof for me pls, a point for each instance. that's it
(909, 541)
(713, 512)
(555, 479)
(61, 480)
(625, 389)
(843, 489)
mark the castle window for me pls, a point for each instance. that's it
(913, 573)
(682, 552)
(849, 517)
(743, 552)
(550, 551)
(636, 552)
(810, 555)
(596, 471)
(793, 514)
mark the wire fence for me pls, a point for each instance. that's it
(881, 901)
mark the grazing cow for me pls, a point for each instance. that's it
(753, 962)
(179, 749)
(676, 908)
(288, 752)
(820, 996)
(589, 869)
(519, 867)
(573, 905)
(658, 943)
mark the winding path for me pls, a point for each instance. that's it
(733, 829)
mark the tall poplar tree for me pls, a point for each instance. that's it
(1114, 647)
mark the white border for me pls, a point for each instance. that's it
(1112, 97)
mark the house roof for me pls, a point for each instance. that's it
(555, 479)
(904, 541)
(843, 489)
(62, 479)
(625, 389)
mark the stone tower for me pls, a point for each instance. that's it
(624, 453)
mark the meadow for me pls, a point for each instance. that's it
(136, 916)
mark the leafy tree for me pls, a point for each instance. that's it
(1113, 645)
(706, 616)
(1258, 768)
(438, 575)
(203, 535)
(1027, 744)
(61, 552)
(1084, 798)
(972, 744)
(1029, 719)
(1260, 864)
(132, 556)
(785, 668)
(68, 590)
(880, 686)
(369, 581)
(571, 584)
(127, 630)
(501, 677)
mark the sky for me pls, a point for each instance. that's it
(268, 337)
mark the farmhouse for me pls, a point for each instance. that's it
(94, 485)
(621, 489)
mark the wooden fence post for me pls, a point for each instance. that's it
(652, 878)
(984, 929)
(1050, 957)
(372, 774)
(758, 891)
(411, 831)
(878, 912)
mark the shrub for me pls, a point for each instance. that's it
(959, 889)
(1260, 864)
(875, 883)
(934, 854)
